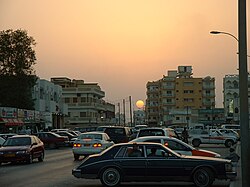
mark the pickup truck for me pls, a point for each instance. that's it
(211, 137)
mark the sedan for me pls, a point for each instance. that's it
(53, 140)
(118, 164)
(177, 145)
(90, 143)
(22, 148)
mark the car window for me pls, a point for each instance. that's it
(154, 140)
(174, 145)
(22, 141)
(151, 132)
(154, 151)
(90, 136)
(134, 151)
(115, 131)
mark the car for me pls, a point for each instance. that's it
(228, 132)
(211, 137)
(72, 137)
(90, 143)
(157, 131)
(53, 140)
(22, 148)
(177, 146)
(231, 126)
(118, 134)
(119, 164)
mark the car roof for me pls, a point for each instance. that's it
(156, 137)
(21, 135)
(94, 132)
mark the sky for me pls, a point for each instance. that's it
(123, 44)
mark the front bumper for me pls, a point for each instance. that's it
(231, 175)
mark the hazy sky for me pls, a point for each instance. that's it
(123, 44)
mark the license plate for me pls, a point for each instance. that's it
(9, 155)
(86, 145)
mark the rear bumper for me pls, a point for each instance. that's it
(78, 174)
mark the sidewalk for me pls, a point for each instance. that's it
(237, 182)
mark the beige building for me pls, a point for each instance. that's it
(86, 106)
(178, 91)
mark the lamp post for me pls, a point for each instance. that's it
(243, 92)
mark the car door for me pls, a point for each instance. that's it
(163, 165)
(133, 167)
(178, 147)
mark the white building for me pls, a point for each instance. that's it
(231, 97)
(48, 100)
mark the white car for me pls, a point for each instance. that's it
(228, 132)
(177, 146)
(90, 143)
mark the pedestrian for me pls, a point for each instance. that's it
(185, 135)
(233, 156)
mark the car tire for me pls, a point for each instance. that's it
(41, 158)
(229, 143)
(203, 177)
(76, 157)
(110, 177)
(196, 142)
(30, 159)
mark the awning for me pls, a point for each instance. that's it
(11, 122)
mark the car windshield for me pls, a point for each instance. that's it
(17, 141)
(90, 136)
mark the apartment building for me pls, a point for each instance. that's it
(86, 106)
(178, 91)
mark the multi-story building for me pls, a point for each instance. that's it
(178, 91)
(139, 117)
(86, 106)
(231, 97)
(48, 100)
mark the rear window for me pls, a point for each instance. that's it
(115, 131)
(90, 136)
(151, 132)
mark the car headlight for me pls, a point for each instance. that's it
(228, 167)
(22, 152)
(1, 153)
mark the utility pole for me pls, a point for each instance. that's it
(243, 78)
(131, 119)
(119, 114)
(124, 116)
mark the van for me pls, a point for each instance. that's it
(118, 134)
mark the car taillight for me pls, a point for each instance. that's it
(77, 145)
(97, 145)
(166, 144)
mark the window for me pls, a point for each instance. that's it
(74, 99)
(67, 100)
(83, 114)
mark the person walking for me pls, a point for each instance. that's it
(185, 135)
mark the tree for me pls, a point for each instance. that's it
(17, 76)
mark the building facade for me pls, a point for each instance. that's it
(48, 100)
(178, 93)
(86, 106)
(231, 97)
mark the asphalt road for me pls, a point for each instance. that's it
(55, 171)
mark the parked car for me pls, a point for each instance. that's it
(228, 132)
(118, 164)
(53, 140)
(71, 137)
(118, 134)
(177, 146)
(157, 131)
(211, 137)
(22, 148)
(231, 126)
(90, 143)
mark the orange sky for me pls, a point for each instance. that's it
(123, 44)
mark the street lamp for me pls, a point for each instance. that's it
(243, 92)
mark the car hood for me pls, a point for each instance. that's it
(205, 158)
(14, 148)
(202, 152)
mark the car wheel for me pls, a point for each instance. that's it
(40, 159)
(110, 177)
(76, 157)
(229, 143)
(30, 159)
(203, 177)
(196, 143)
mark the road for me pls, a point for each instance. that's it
(55, 171)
